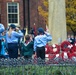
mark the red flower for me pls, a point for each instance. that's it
(70, 55)
(64, 46)
(47, 50)
(64, 55)
(54, 49)
(73, 48)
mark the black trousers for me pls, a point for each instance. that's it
(40, 52)
(13, 50)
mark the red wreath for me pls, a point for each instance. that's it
(57, 56)
(73, 48)
(47, 49)
(50, 56)
(70, 55)
(64, 46)
(64, 55)
(54, 49)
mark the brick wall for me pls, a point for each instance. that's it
(4, 12)
(34, 14)
(31, 15)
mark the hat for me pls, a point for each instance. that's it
(41, 30)
(1, 24)
(12, 26)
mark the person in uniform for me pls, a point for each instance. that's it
(12, 36)
(40, 42)
(2, 28)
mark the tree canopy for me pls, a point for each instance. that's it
(71, 15)
(43, 10)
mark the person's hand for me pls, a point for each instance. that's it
(45, 32)
(17, 29)
(34, 55)
(3, 39)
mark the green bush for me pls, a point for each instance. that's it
(38, 70)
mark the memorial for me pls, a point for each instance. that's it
(57, 21)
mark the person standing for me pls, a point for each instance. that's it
(2, 28)
(3, 52)
(12, 37)
(27, 47)
(40, 42)
(72, 39)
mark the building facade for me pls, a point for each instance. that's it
(23, 13)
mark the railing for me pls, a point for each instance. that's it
(23, 66)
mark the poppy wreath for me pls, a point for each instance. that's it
(71, 55)
(47, 49)
(64, 46)
(64, 55)
(50, 56)
(57, 56)
(73, 48)
(55, 49)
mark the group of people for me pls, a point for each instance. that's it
(71, 39)
(12, 39)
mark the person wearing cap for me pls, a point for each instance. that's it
(12, 37)
(40, 42)
(2, 28)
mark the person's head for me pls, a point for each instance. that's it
(72, 36)
(12, 26)
(31, 37)
(68, 36)
(3, 33)
(1, 24)
(40, 30)
(27, 37)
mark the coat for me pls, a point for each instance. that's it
(27, 50)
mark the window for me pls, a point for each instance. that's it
(13, 13)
